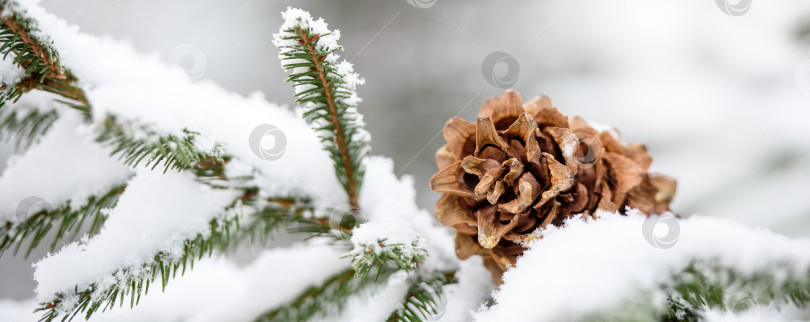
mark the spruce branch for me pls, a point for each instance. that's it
(37, 57)
(25, 128)
(705, 286)
(70, 222)
(424, 299)
(174, 152)
(132, 282)
(316, 301)
(294, 213)
(383, 256)
(224, 233)
(326, 91)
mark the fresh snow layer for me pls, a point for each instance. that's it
(469, 294)
(157, 212)
(10, 73)
(374, 303)
(327, 42)
(590, 266)
(787, 313)
(65, 166)
(220, 290)
(388, 203)
(171, 102)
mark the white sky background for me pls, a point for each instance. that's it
(715, 97)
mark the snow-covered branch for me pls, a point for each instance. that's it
(326, 89)
(598, 267)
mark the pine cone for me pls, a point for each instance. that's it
(520, 168)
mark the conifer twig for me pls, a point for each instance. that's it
(424, 299)
(316, 300)
(326, 91)
(70, 221)
(25, 128)
(40, 62)
(317, 61)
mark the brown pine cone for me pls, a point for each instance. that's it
(521, 167)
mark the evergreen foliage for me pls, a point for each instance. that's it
(316, 301)
(329, 101)
(705, 286)
(174, 152)
(367, 258)
(37, 57)
(424, 300)
(70, 222)
(25, 128)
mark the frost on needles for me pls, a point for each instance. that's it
(206, 190)
(326, 90)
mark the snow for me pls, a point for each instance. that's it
(157, 212)
(469, 294)
(389, 204)
(590, 266)
(585, 267)
(374, 303)
(64, 167)
(10, 73)
(758, 314)
(175, 102)
(220, 290)
(294, 17)
(380, 236)
(327, 41)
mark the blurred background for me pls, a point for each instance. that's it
(719, 92)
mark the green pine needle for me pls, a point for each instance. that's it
(317, 301)
(326, 98)
(424, 300)
(37, 58)
(67, 220)
(225, 233)
(23, 129)
(706, 286)
(170, 151)
(384, 256)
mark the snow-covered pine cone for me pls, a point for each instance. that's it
(520, 168)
